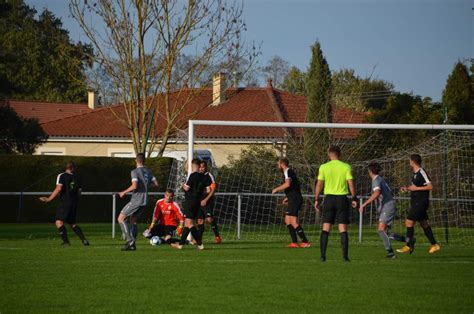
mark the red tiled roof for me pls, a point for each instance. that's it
(243, 104)
(47, 111)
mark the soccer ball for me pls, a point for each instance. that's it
(155, 240)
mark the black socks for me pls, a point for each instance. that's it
(196, 235)
(200, 229)
(184, 235)
(323, 243)
(345, 245)
(410, 235)
(300, 233)
(292, 232)
(79, 233)
(429, 234)
(214, 228)
(63, 233)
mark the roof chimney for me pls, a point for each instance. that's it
(218, 89)
(92, 99)
(269, 82)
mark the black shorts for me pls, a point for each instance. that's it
(418, 210)
(163, 231)
(67, 213)
(336, 208)
(208, 210)
(191, 208)
(294, 206)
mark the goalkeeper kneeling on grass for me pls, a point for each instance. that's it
(167, 214)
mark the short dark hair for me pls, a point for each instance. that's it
(196, 161)
(203, 162)
(375, 167)
(335, 150)
(284, 161)
(141, 158)
(170, 191)
(416, 159)
(70, 165)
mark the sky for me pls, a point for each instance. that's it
(412, 43)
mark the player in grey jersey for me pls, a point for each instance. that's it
(383, 195)
(141, 179)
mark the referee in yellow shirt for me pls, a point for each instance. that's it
(336, 178)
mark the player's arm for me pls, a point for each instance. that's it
(180, 216)
(427, 187)
(131, 188)
(282, 187)
(211, 193)
(187, 185)
(211, 190)
(53, 195)
(156, 216)
(155, 181)
(352, 189)
(372, 198)
(317, 193)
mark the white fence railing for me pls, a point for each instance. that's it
(239, 196)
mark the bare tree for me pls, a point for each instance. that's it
(140, 46)
(276, 69)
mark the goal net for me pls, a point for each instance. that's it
(246, 209)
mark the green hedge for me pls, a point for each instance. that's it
(98, 174)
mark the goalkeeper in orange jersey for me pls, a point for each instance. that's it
(167, 213)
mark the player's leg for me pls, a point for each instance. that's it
(342, 217)
(215, 229)
(190, 213)
(344, 241)
(382, 231)
(209, 212)
(429, 234)
(168, 234)
(296, 207)
(200, 222)
(328, 219)
(291, 230)
(61, 216)
(386, 217)
(77, 230)
(410, 235)
(122, 221)
(134, 226)
(62, 231)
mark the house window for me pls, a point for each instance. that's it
(51, 151)
(121, 152)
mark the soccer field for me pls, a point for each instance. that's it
(39, 275)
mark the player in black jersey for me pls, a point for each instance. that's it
(194, 190)
(68, 186)
(207, 205)
(419, 204)
(294, 200)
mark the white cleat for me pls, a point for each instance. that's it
(200, 247)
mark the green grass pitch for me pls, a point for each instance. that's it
(38, 275)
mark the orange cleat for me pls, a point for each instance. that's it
(293, 245)
(218, 240)
(305, 245)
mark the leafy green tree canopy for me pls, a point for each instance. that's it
(17, 134)
(38, 59)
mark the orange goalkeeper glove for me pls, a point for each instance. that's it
(179, 230)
